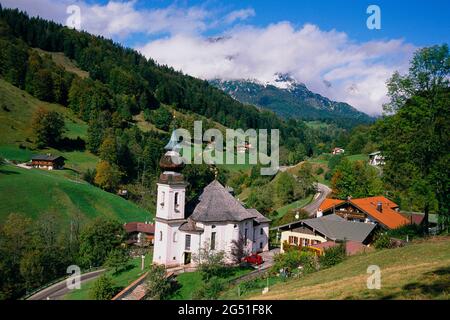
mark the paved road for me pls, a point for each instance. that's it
(58, 290)
(322, 192)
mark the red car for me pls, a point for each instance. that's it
(254, 259)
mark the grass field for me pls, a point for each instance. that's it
(296, 204)
(420, 270)
(190, 281)
(121, 280)
(34, 192)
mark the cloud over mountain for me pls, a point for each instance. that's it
(215, 42)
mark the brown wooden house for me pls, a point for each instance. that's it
(47, 162)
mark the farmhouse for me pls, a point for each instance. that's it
(326, 231)
(376, 158)
(140, 233)
(375, 210)
(213, 220)
(47, 161)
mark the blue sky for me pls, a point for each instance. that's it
(324, 44)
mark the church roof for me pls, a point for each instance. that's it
(260, 218)
(216, 204)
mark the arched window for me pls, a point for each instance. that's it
(174, 237)
(160, 236)
(176, 199)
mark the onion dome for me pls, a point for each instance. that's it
(171, 160)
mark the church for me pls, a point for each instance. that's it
(212, 220)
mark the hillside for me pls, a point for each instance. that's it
(417, 271)
(294, 100)
(35, 192)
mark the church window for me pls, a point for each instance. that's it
(245, 234)
(160, 236)
(176, 199)
(261, 231)
(213, 241)
(174, 237)
(187, 245)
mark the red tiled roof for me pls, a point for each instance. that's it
(388, 217)
(148, 228)
(329, 203)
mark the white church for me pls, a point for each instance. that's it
(214, 219)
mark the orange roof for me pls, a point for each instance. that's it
(329, 203)
(389, 217)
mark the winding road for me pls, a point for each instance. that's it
(59, 289)
(322, 192)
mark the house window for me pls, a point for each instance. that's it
(260, 245)
(261, 231)
(174, 237)
(187, 244)
(213, 241)
(293, 240)
(160, 236)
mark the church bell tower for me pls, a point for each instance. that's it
(170, 205)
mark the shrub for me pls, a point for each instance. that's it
(157, 285)
(210, 290)
(382, 241)
(319, 171)
(410, 230)
(103, 289)
(332, 256)
(291, 259)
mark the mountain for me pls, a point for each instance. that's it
(289, 99)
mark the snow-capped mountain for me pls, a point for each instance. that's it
(288, 98)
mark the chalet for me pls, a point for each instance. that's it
(337, 151)
(376, 158)
(374, 210)
(47, 161)
(140, 233)
(327, 231)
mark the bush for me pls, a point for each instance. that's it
(410, 230)
(291, 259)
(383, 241)
(157, 285)
(332, 256)
(210, 290)
(319, 171)
(103, 289)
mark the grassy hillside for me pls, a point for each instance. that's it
(34, 192)
(16, 111)
(418, 271)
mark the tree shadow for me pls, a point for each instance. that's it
(68, 144)
(432, 284)
(125, 268)
(8, 172)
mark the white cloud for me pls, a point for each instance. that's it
(237, 15)
(328, 62)
(357, 72)
(121, 18)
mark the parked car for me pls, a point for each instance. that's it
(254, 259)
